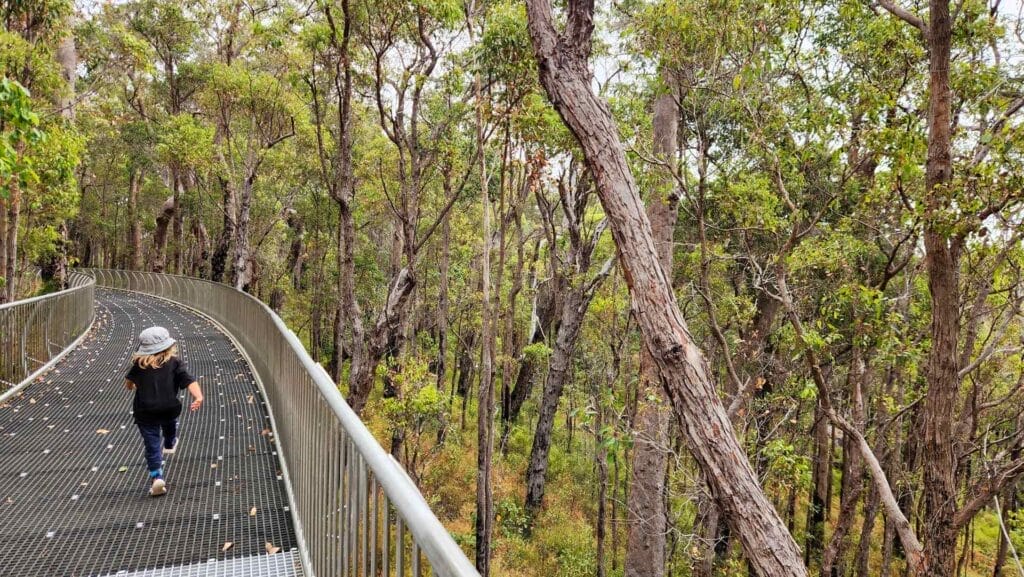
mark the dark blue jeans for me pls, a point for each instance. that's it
(151, 439)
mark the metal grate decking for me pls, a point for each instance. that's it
(73, 481)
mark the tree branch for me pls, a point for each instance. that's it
(986, 491)
(580, 25)
(905, 15)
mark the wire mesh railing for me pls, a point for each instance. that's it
(357, 513)
(36, 332)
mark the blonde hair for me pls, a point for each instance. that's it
(157, 360)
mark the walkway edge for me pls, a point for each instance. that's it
(10, 393)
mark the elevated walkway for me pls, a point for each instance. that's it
(276, 476)
(73, 480)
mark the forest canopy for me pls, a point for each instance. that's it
(645, 287)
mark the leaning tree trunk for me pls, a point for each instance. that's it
(573, 309)
(645, 507)
(564, 72)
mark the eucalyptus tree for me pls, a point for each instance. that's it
(404, 50)
(40, 146)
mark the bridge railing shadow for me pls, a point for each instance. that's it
(356, 510)
(37, 332)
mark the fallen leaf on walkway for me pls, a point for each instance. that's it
(102, 431)
(213, 465)
(227, 545)
(31, 401)
(122, 469)
(252, 512)
(270, 548)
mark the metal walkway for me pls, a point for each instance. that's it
(73, 481)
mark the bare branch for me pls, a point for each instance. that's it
(986, 491)
(905, 15)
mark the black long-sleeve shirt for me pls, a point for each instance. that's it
(156, 391)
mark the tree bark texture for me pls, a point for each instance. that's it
(821, 490)
(573, 309)
(163, 222)
(381, 339)
(243, 252)
(219, 262)
(135, 226)
(940, 404)
(13, 221)
(563, 65)
(645, 508)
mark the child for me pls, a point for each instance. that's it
(156, 377)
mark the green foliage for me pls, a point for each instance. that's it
(20, 129)
(786, 464)
(184, 139)
(420, 404)
(511, 518)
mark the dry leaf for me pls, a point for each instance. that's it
(252, 512)
(227, 545)
(31, 401)
(270, 548)
(213, 465)
(102, 431)
(250, 399)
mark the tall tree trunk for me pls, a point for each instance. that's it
(163, 222)
(219, 262)
(485, 402)
(940, 404)
(563, 64)
(442, 298)
(852, 486)
(13, 221)
(821, 492)
(297, 250)
(645, 542)
(200, 252)
(135, 220)
(243, 257)
(3, 250)
(602, 487)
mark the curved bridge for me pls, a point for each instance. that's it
(275, 475)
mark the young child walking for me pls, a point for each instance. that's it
(156, 376)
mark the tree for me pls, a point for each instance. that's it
(562, 59)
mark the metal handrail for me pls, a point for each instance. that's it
(356, 510)
(37, 332)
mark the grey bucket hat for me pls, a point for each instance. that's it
(154, 340)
